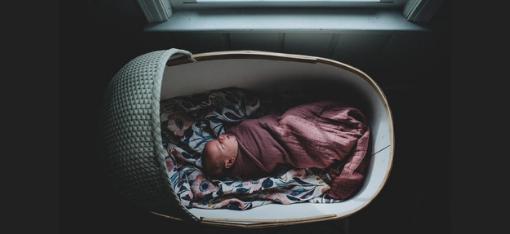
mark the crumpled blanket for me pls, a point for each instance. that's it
(312, 135)
(189, 122)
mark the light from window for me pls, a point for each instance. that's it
(211, 1)
(177, 4)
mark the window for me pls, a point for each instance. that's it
(194, 4)
(157, 11)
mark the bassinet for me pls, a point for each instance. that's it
(133, 135)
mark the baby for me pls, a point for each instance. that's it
(220, 154)
(313, 135)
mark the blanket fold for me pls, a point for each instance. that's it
(312, 135)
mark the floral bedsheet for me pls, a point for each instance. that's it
(189, 122)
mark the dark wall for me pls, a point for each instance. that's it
(98, 37)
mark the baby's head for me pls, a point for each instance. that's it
(220, 154)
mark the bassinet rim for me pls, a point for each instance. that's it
(257, 54)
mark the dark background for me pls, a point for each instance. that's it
(98, 37)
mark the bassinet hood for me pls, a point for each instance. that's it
(136, 156)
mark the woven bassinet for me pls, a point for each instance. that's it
(133, 133)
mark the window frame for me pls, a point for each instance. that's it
(197, 5)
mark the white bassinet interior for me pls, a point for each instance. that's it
(270, 75)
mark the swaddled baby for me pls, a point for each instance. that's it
(313, 135)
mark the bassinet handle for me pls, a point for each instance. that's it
(179, 56)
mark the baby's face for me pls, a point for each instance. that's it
(222, 152)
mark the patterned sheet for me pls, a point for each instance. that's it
(189, 122)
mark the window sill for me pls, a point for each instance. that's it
(286, 20)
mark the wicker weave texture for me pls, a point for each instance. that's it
(133, 136)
